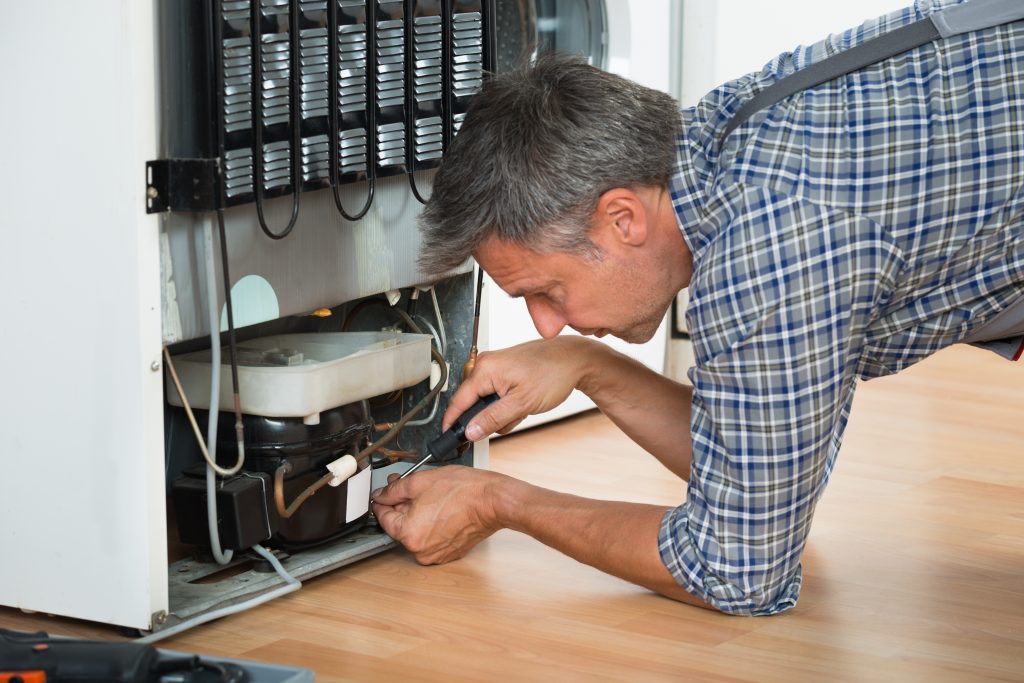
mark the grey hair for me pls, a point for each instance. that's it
(537, 149)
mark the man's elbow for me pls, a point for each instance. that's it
(752, 593)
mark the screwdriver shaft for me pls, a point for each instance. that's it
(421, 463)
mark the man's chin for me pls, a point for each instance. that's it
(635, 336)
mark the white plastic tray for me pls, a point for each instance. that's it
(300, 375)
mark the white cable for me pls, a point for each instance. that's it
(433, 331)
(221, 556)
(440, 322)
(291, 585)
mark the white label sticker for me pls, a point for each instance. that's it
(358, 498)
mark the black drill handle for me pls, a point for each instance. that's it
(456, 435)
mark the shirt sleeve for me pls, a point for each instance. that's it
(780, 300)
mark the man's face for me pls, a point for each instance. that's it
(621, 294)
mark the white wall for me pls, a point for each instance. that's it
(724, 39)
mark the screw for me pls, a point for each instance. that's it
(151, 192)
(160, 617)
(155, 366)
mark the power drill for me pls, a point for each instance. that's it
(38, 658)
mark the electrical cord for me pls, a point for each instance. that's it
(219, 555)
(291, 585)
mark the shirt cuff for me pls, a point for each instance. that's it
(745, 594)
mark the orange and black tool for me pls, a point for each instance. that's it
(40, 658)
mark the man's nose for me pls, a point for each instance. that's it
(548, 321)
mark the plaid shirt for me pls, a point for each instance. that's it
(846, 232)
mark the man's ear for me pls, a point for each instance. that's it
(621, 217)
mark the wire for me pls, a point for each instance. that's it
(288, 510)
(440, 321)
(219, 555)
(291, 585)
(195, 426)
(232, 344)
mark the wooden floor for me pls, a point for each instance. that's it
(914, 570)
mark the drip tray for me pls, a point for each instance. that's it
(301, 375)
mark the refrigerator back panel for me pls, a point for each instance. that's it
(342, 110)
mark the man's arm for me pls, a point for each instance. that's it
(440, 515)
(532, 378)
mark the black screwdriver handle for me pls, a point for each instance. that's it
(456, 435)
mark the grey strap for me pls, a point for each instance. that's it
(1006, 324)
(976, 15)
(970, 16)
(867, 53)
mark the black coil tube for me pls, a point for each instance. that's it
(410, 101)
(490, 30)
(447, 107)
(294, 113)
(371, 105)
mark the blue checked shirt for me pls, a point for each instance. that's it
(846, 232)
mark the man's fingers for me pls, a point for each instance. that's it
(492, 419)
(509, 427)
(397, 491)
(464, 398)
(389, 519)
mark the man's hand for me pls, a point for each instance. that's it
(537, 376)
(531, 378)
(438, 515)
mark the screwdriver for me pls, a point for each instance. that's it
(454, 437)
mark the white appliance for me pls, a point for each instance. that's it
(635, 39)
(95, 287)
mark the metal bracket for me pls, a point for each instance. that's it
(182, 185)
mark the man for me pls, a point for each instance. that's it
(845, 232)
